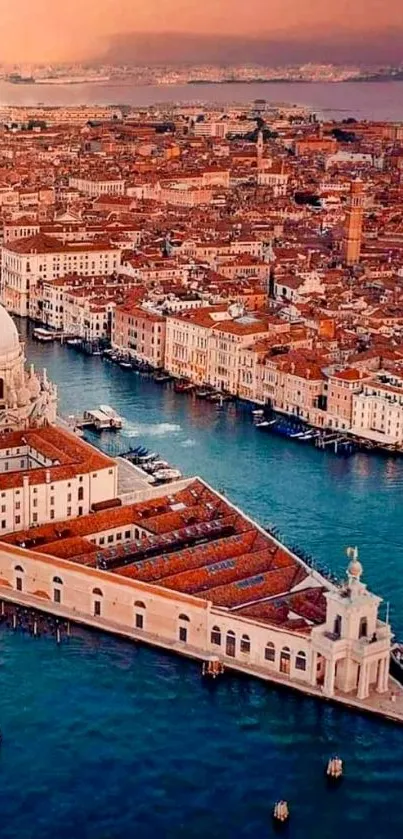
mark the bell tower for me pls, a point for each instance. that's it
(353, 224)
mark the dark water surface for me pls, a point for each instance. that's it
(369, 100)
(106, 740)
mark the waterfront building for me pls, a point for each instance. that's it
(139, 333)
(377, 411)
(45, 473)
(28, 260)
(353, 224)
(189, 571)
(26, 400)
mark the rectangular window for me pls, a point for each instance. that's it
(69, 511)
(35, 517)
(18, 583)
(3, 508)
(139, 621)
(18, 519)
(57, 595)
(97, 608)
(52, 514)
(110, 538)
(52, 500)
(183, 633)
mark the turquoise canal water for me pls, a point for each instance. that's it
(105, 740)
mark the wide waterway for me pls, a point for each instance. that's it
(104, 740)
(365, 100)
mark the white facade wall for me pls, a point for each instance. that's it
(24, 506)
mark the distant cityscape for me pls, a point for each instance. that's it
(196, 74)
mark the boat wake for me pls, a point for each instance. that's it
(161, 429)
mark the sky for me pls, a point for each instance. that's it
(50, 30)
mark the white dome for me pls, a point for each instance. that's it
(9, 339)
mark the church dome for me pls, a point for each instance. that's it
(9, 339)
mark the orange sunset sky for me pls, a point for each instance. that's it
(41, 30)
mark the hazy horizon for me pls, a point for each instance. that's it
(284, 31)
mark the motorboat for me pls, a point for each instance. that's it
(165, 475)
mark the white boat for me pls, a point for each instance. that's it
(167, 474)
(43, 335)
(73, 342)
(265, 424)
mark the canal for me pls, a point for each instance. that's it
(105, 740)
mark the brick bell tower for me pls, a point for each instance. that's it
(353, 224)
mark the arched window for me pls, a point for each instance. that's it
(183, 617)
(300, 660)
(19, 568)
(245, 644)
(58, 581)
(363, 628)
(285, 660)
(140, 604)
(97, 591)
(216, 636)
(80, 493)
(270, 652)
(230, 646)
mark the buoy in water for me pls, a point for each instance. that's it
(334, 769)
(281, 812)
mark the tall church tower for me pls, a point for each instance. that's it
(353, 224)
(259, 148)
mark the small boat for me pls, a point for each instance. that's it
(264, 425)
(148, 458)
(167, 475)
(281, 812)
(154, 466)
(161, 378)
(202, 393)
(125, 364)
(183, 386)
(73, 342)
(96, 351)
(334, 769)
(44, 335)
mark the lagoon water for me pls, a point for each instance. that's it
(364, 100)
(105, 740)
